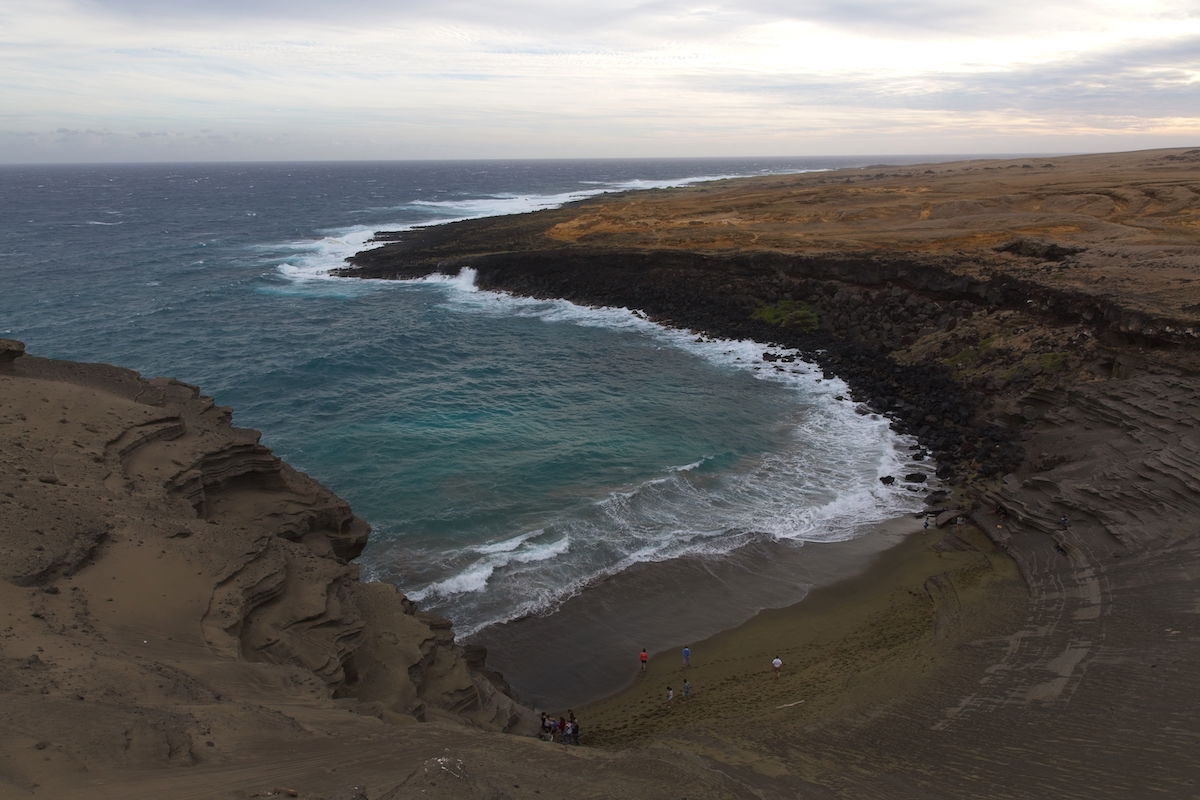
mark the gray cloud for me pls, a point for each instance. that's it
(918, 16)
(307, 78)
(1146, 81)
(667, 18)
(365, 13)
(76, 132)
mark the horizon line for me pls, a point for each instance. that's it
(943, 155)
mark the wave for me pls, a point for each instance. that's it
(691, 466)
(475, 578)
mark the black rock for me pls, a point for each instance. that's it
(937, 498)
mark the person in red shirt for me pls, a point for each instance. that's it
(644, 657)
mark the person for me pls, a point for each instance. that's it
(670, 694)
(644, 657)
(776, 665)
(1063, 522)
(687, 656)
(687, 689)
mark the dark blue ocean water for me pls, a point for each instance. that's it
(506, 451)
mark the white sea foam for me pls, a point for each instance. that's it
(689, 467)
(464, 281)
(507, 545)
(475, 578)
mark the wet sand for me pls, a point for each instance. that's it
(848, 646)
(589, 647)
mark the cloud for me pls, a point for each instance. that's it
(416, 78)
(1155, 79)
(666, 19)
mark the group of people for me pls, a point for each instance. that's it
(686, 653)
(685, 691)
(644, 657)
(564, 730)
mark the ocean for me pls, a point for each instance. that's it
(510, 454)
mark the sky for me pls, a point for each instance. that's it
(231, 80)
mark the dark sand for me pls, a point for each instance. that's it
(589, 647)
(846, 647)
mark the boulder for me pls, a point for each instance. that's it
(10, 351)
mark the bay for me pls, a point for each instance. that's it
(509, 453)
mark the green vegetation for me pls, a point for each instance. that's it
(788, 314)
(969, 356)
(1053, 362)
(1039, 364)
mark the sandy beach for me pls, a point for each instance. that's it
(589, 648)
(846, 648)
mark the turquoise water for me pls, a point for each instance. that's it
(507, 452)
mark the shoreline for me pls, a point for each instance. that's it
(587, 649)
(865, 639)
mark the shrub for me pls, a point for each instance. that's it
(1053, 362)
(788, 314)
